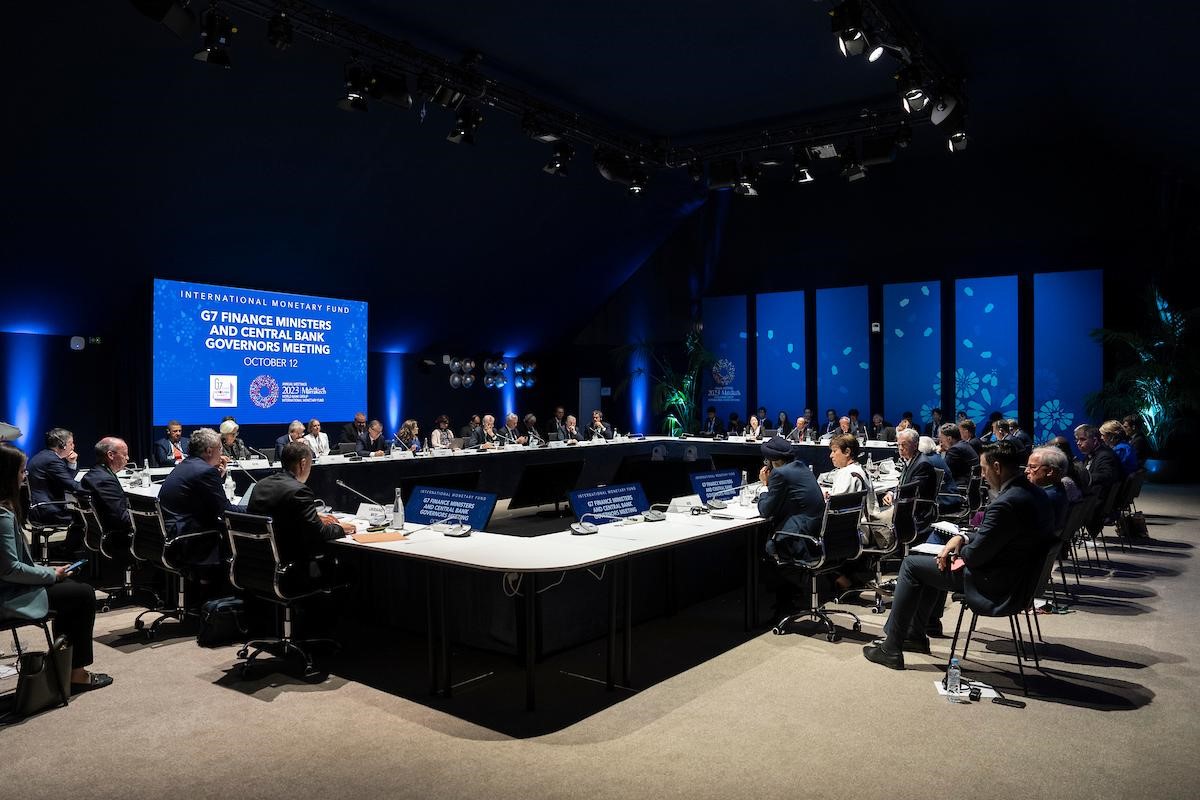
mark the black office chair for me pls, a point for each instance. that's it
(1124, 506)
(901, 535)
(256, 568)
(1024, 593)
(838, 543)
(150, 545)
(40, 532)
(12, 625)
(967, 499)
(106, 545)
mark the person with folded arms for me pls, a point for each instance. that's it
(29, 591)
(442, 437)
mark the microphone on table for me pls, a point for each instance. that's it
(352, 490)
(263, 455)
(585, 528)
(451, 526)
(534, 435)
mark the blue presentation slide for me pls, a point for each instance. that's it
(260, 357)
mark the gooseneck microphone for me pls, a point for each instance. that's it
(259, 453)
(352, 490)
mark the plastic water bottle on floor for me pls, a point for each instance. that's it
(954, 692)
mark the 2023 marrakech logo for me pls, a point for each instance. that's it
(723, 372)
(264, 391)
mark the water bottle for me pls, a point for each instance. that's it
(230, 488)
(144, 478)
(398, 513)
(426, 451)
(954, 691)
(870, 465)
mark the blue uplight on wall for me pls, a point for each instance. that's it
(912, 348)
(393, 387)
(28, 354)
(986, 373)
(639, 391)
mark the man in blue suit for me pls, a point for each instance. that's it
(794, 504)
(51, 475)
(921, 470)
(991, 564)
(295, 433)
(193, 497)
(168, 451)
(108, 498)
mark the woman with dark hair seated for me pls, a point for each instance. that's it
(30, 591)
(442, 437)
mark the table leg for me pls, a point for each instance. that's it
(430, 629)
(628, 565)
(447, 690)
(612, 627)
(530, 583)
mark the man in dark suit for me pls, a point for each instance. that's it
(571, 431)
(168, 451)
(1017, 432)
(794, 504)
(712, 425)
(1103, 470)
(1045, 469)
(960, 457)
(51, 474)
(108, 498)
(934, 425)
(993, 562)
(193, 497)
(599, 429)
(558, 423)
(880, 430)
(921, 470)
(966, 430)
(1140, 444)
(352, 430)
(295, 433)
(832, 425)
(468, 431)
(300, 532)
(373, 442)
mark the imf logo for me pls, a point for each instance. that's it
(723, 372)
(264, 391)
(222, 391)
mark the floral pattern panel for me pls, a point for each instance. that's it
(912, 348)
(725, 337)
(1067, 363)
(985, 352)
(843, 350)
(780, 343)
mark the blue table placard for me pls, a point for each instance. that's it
(429, 504)
(622, 500)
(722, 484)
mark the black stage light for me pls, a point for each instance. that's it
(468, 380)
(950, 113)
(362, 82)
(621, 168)
(446, 96)
(217, 32)
(467, 122)
(801, 166)
(456, 380)
(911, 86)
(852, 170)
(958, 141)
(560, 158)
(539, 131)
(174, 15)
(737, 175)
(695, 170)
(846, 22)
(279, 31)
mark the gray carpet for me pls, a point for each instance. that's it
(719, 713)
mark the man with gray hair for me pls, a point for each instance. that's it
(531, 431)
(484, 437)
(193, 497)
(295, 433)
(51, 474)
(510, 434)
(108, 498)
(1045, 469)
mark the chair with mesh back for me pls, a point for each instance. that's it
(105, 544)
(40, 533)
(900, 535)
(257, 568)
(837, 544)
(150, 545)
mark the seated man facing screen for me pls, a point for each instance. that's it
(993, 562)
(373, 443)
(351, 431)
(51, 477)
(295, 433)
(300, 532)
(793, 504)
(108, 497)
(193, 497)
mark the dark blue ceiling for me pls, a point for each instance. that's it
(128, 160)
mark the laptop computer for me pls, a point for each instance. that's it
(347, 448)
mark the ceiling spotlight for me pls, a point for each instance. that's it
(216, 34)
(456, 365)
(465, 124)
(363, 82)
(468, 380)
(489, 381)
(468, 364)
(560, 158)
(958, 141)
(621, 168)
(446, 96)
(520, 383)
(846, 22)
(852, 170)
(174, 15)
(946, 107)
(695, 170)
(500, 382)
(875, 53)
(539, 131)
(911, 86)
(456, 380)
(740, 176)
(279, 31)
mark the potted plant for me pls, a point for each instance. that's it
(1158, 382)
(674, 396)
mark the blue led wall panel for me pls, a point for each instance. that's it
(985, 350)
(843, 351)
(724, 383)
(912, 348)
(1067, 363)
(780, 342)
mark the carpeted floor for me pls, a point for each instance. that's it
(719, 713)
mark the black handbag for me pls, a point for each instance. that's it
(221, 622)
(36, 689)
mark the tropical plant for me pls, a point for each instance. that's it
(1161, 383)
(675, 391)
